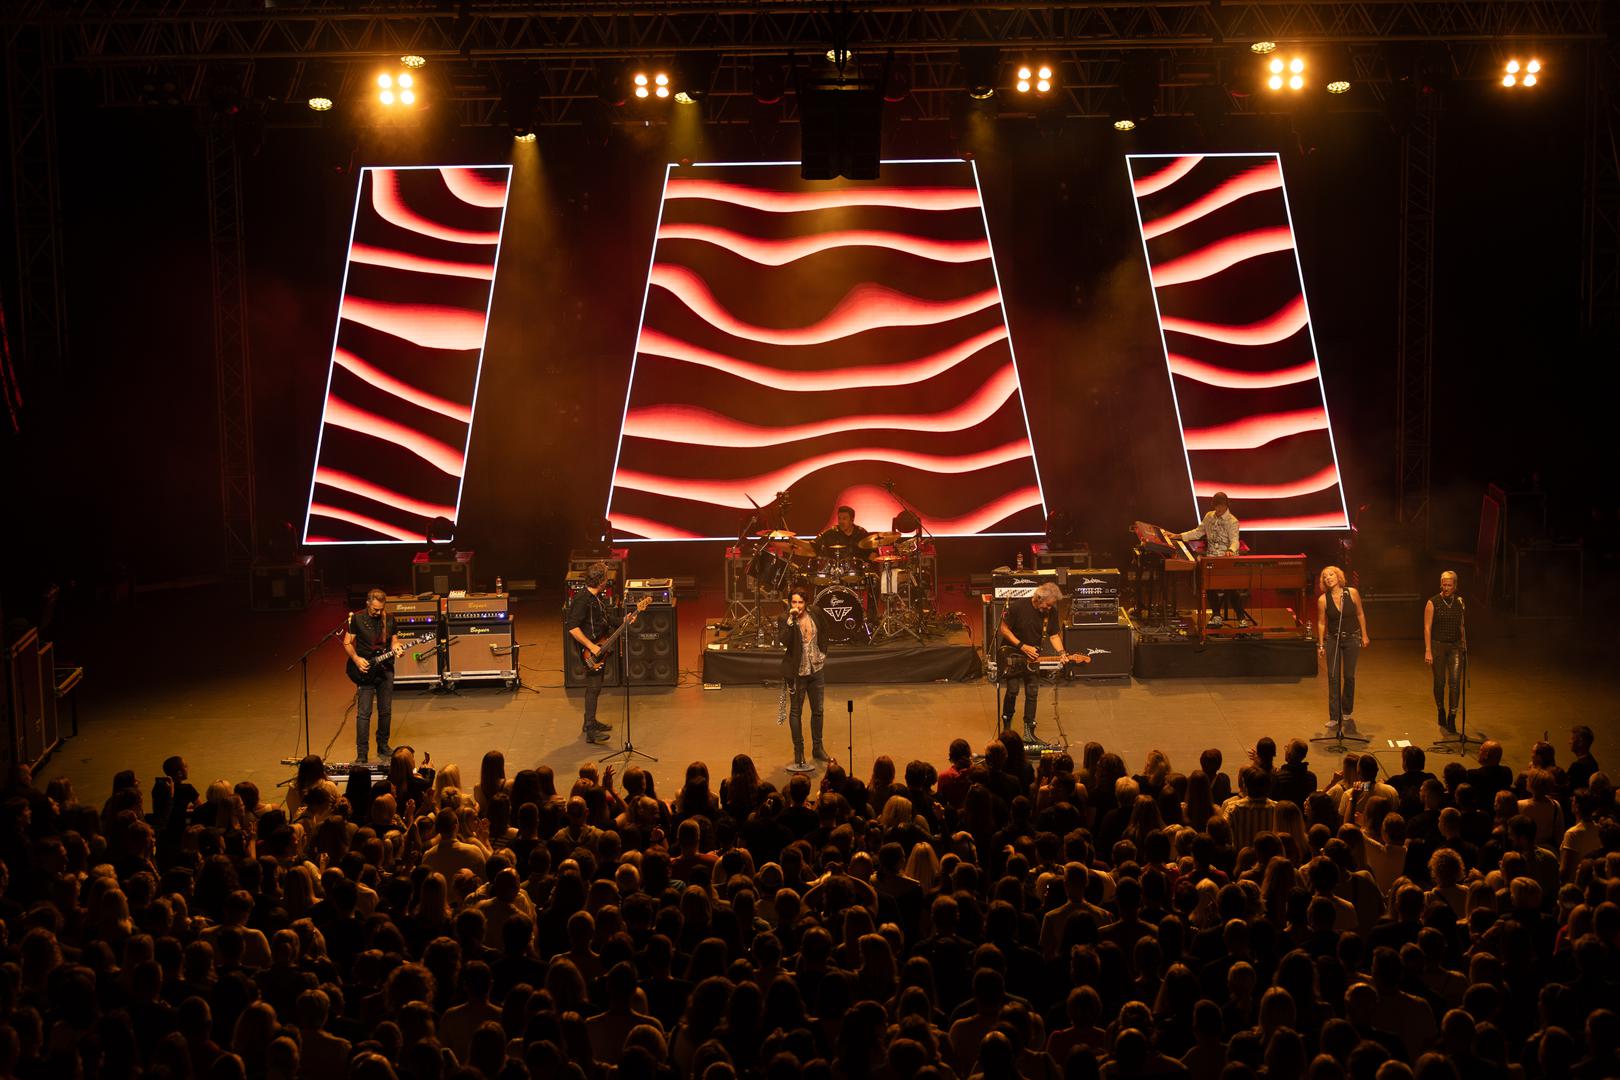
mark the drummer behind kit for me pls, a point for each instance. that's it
(872, 587)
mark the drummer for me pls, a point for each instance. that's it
(842, 538)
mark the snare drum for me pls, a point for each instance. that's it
(846, 616)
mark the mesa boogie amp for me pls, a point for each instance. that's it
(418, 623)
(480, 629)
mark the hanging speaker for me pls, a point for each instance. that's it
(653, 654)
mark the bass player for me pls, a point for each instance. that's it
(372, 644)
(590, 620)
(1025, 625)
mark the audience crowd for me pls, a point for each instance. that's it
(1008, 917)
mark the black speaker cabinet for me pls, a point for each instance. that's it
(283, 586)
(653, 648)
(574, 671)
(1108, 646)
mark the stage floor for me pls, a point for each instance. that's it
(192, 673)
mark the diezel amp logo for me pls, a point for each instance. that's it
(1099, 652)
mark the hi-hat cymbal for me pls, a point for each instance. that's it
(878, 539)
(888, 558)
(803, 549)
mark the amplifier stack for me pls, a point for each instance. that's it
(652, 644)
(479, 631)
(1093, 597)
(418, 623)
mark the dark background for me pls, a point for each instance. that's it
(115, 480)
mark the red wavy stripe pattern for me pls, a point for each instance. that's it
(798, 202)
(446, 459)
(1221, 255)
(419, 264)
(474, 187)
(1158, 181)
(780, 252)
(1235, 379)
(865, 307)
(872, 503)
(735, 493)
(343, 481)
(900, 373)
(1287, 321)
(1334, 520)
(649, 529)
(1308, 485)
(1255, 431)
(365, 521)
(1266, 177)
(389, 204)
(345, 359)
(429, 325)
(686, 424)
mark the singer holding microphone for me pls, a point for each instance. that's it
(804, 663)
(372, 643)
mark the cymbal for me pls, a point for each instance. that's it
(779, 534)
(888, 558)
(803, 549)
(839, 544)
(878, 539)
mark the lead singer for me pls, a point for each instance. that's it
(1445, 639)
(804, 663)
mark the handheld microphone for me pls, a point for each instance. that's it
(850, 705)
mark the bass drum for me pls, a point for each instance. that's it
(846, 616)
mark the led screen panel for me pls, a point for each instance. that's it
(1230, 296)
(824, 339)
(406, 356)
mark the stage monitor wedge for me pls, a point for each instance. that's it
(407, 352)
(826, 339)
(1230, 296)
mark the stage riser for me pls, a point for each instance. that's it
(849, 667)
(1225, 660)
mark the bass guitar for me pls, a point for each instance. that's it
(1014, 662)
(596, 661)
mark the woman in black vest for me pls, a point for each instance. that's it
(1445, 639)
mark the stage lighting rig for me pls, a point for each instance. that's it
(1526, 75)
(651, 84)
(1036, 78)
(1289, 72)
(396, 89)
(1262, 48)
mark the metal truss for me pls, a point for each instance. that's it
(1414, 345)
(157, 31)
(233, 373)
(1600, 205)
(41, 333)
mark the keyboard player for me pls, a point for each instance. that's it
(1219, 532)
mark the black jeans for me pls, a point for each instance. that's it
(593, 690)
(813, 686)
(1031, 684)
(1448, 658)
(383, 694)
(1345, 659)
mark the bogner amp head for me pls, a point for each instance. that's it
(417, 622)
(480, 629)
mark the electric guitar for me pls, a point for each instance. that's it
(378, 664)
(1015, 662)
(595, 662)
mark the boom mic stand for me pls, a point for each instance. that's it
(302, 663)
(1337, 740)
(627, 749)
(1461, 742)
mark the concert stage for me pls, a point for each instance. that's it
(955, 659)
(1224, 658)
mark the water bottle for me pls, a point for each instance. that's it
(1020, 566)
(500, 586)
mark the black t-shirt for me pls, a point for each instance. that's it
(1031, 627)
(591, 615)
(833, 536)
(372, 633)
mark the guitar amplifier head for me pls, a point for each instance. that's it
(662, 590)
(489, 606)
(410, 611)
(574, 584)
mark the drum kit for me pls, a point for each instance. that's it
(873, 590)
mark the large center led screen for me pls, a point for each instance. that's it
(823, 339)
(405, 359)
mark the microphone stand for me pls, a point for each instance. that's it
(1337, 740)
(627, 749)
(1461, 742)
(302, 663)
(922, 531)
(850, 705)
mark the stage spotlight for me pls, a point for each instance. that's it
(661, 85)
(1038, 79)
(979, 66)
(1526, 75)
(411, 60)
(1296, 65)
(684, 98)
(527, 136)
(1124, 124)
(840, 57)
(1295, 82)
(401, 81)
(1287, 72)
(386, 80)
(320, 104)
(1261, 48)
(641, 85)
(1338, 86)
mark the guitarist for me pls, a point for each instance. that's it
(369, 639)
(1025, 625)
(588, 621)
